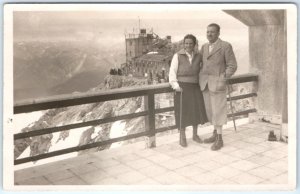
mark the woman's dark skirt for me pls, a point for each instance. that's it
(193, 108)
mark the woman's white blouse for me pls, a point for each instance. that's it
(174, 68)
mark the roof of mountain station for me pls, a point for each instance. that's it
(155, 57)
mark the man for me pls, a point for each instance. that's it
(218, 63)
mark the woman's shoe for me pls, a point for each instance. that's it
(197, 139)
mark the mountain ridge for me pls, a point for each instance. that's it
(45, 68)
(81, 113)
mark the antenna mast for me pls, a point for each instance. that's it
(139, 24)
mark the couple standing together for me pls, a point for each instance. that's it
(208, 68)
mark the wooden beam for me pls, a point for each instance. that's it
(245, 112)
(78, 148)
(242, 78)
(162, 129)
(60, 101)
(77, 125)
(149, 103)
(166, 109)
(66, 100)
(242, 96)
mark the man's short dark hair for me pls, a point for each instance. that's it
(190, 36)
(215, 25)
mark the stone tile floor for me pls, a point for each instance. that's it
(246, 159)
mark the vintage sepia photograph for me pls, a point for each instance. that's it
(137, 96)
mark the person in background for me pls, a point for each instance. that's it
(218, 63)
(184, 78)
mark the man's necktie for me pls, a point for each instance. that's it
(210, 48)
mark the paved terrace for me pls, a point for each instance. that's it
(247, 158)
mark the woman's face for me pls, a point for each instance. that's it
(189, 45)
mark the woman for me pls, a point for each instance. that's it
(183, 77)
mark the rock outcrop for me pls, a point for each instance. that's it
(82, 113)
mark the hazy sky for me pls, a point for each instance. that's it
(107, 26)
(112, 24)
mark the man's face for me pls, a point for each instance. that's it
(212, 34)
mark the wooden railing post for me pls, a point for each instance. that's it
(150, 120)
(254, 116)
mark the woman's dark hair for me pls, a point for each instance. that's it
(190, 36)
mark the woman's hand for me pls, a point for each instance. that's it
(222, 75)
(178, 89)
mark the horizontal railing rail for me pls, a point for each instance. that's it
(66, 100)
(77, 125)
(237, 79)
(149, 113)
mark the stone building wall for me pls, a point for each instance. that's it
(268, 57)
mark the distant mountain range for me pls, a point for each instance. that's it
(49, 68)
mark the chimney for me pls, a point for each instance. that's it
(143, 31)
(169, 39)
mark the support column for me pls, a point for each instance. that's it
(149, 105)
(284, 126)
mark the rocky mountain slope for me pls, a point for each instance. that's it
(74, 114)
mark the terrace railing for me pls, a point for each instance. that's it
(148, 92)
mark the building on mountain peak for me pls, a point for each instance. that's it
(148, 56)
